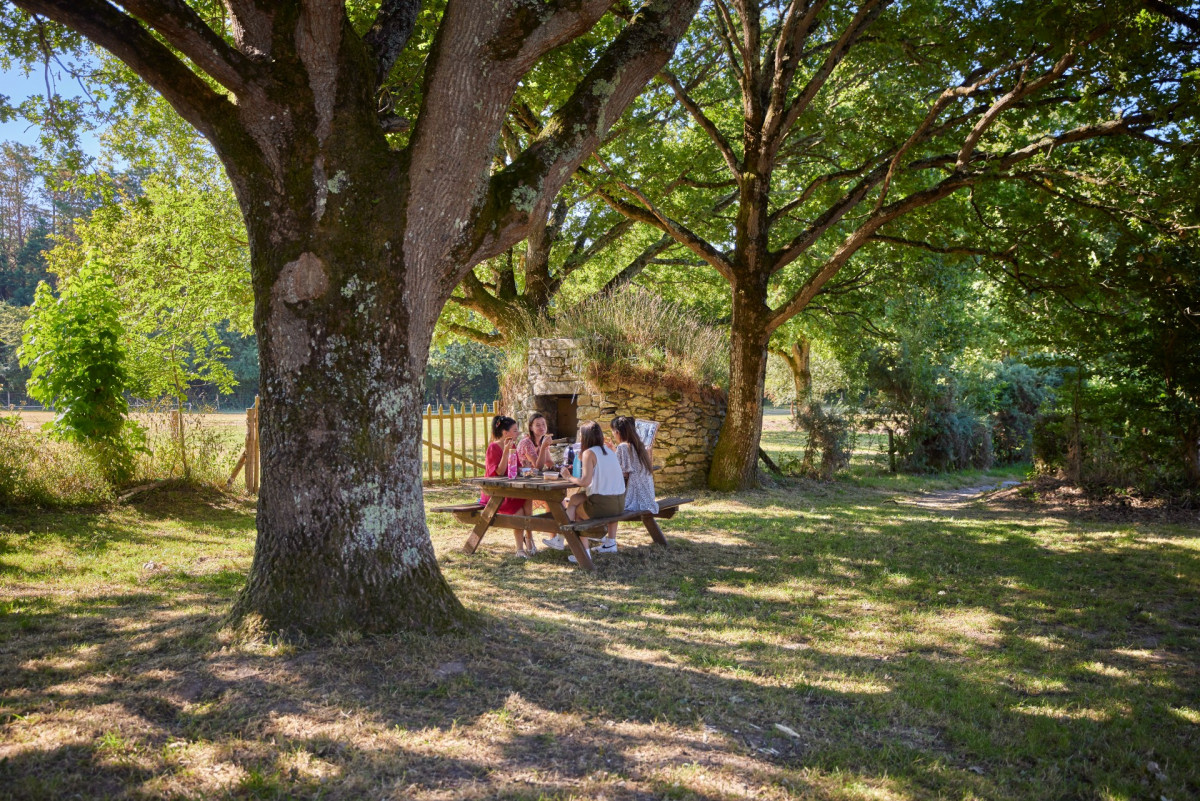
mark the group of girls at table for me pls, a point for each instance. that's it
(616, 477)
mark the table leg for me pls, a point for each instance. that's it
(656, 533)
(481, 526)
(573, 541)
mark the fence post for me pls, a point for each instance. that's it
(441, 440)
(474, 439)
(252, 447)
(427, 425)
(452, 453)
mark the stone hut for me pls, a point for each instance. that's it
(560, 383)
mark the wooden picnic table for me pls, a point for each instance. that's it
(482, 517)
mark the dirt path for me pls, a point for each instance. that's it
(952, 500)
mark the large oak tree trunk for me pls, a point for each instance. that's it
(344, 337)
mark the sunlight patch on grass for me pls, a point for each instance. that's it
(1065, 713)
(1109, 671)
(1187, 713)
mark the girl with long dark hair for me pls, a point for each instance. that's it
(604, 487)
(637, 469)
(495, 461)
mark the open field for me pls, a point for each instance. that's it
(470, 438)
(822, 641)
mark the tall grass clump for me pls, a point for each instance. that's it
(204, 454)
(36, 470)
(635, 334)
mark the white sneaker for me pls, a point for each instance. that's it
(606, 545)
(575, 561)
(556, 542)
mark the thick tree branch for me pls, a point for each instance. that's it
(639, 263)
(707, 125)
(809, 290)
(581, 255)
(829, 218)
(1019, 91)
(725, 32)
(390, 33)
(679, 232)
(814, 185)
(991, 167)
(184, 30)
(780, 121)
(124, 37)
(492, 339)
(793, 33)
(637, 54)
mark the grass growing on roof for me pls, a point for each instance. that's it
(635, 332)
(814, 640)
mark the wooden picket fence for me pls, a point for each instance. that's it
(453, 442)
(452, 456)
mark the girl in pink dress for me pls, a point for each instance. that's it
(495, 462)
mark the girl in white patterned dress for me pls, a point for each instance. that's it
(639, 478)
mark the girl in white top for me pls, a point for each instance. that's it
(601, 479)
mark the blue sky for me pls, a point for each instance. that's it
(17, 87)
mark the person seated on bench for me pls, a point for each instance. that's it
(534, 450)
(639, 480)
(504, 440)
(601, 479)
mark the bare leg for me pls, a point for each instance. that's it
(519, 535)
(528, 511)
(574, 507)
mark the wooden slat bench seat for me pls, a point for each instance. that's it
(462, 507)
(667, 507)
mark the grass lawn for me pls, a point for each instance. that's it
(831, 641)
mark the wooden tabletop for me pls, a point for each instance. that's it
(537, 482)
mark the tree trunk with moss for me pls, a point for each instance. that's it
(735, 457)
(356, 242)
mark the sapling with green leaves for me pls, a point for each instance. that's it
(73, 345)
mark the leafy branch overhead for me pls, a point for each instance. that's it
(236, 88)
(835, 123)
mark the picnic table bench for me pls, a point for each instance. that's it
(483, 517)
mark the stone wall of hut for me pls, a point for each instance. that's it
(559, 383)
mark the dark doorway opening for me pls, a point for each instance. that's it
(561, 414)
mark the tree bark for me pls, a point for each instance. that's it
(342, 541)
(798, 358)
(735, 457)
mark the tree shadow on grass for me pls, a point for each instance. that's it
(662, 675)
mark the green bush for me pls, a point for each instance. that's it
(829, 441)
(1107, 435)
